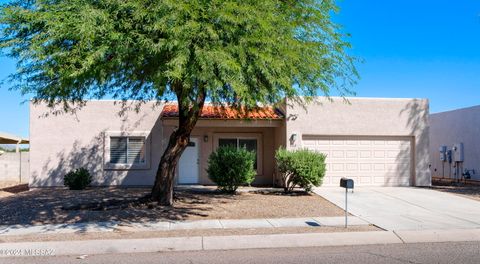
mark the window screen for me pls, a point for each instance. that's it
(249, 144)
(118, 150)
(227, 142)
(127, 150)
(136, 150)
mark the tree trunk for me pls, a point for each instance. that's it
(163, 188)
(188, 113)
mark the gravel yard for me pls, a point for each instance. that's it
(471, 192)
(58, 205)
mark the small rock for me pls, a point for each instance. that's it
(82, 257)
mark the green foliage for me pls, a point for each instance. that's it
(230, 167)
(78, 179)
(303, 168)
(6, 149)
(13, 149)
(243, 52)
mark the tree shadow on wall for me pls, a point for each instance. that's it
(416, 113)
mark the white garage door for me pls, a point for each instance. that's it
(369, 161)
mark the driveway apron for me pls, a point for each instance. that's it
(406, 208)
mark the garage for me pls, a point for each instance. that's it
(370, 161)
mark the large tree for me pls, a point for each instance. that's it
(240, 53)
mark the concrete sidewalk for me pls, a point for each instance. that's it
(179, 225)
(91, 247)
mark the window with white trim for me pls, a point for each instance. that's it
(127, 150)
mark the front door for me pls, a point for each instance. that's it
(188, 165)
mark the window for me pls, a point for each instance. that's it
(232, 142)
(248, 143)
(127, 150)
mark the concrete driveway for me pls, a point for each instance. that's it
(405, 208)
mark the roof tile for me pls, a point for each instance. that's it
(218, 112)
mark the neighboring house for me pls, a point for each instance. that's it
(453, 127)
(13, 165)
(376, 142)
(7, 139)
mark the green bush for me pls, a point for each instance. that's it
(230, 167)
(303, 168)
(78, 179)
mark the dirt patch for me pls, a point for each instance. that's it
(184, 233)
(471, 192)
(54, 206)
(439, 181)
(9, 191)
(16, 189)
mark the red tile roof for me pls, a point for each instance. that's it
(218, 112)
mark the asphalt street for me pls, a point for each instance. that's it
(460, 252)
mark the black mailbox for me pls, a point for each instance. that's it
(346, 183)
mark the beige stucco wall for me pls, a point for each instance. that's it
(365, 117)
(68, 141)
(458, 126)
(64, 142)
(222, 128)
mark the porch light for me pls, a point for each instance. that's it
(205, 138)
(293, 138)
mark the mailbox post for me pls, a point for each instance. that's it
(347, 184)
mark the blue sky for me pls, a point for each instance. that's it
(424, 49)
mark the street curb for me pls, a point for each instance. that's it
(430, 236)
(299, 240)
(197, 243)
(90, 247)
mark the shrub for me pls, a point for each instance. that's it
(78, 179)
(230, 167)
(303, 168)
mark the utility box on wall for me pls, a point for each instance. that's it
(449, 129)
(457, 150)
(443, 153)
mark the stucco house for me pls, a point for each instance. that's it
(377, 142)
(460, 126)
